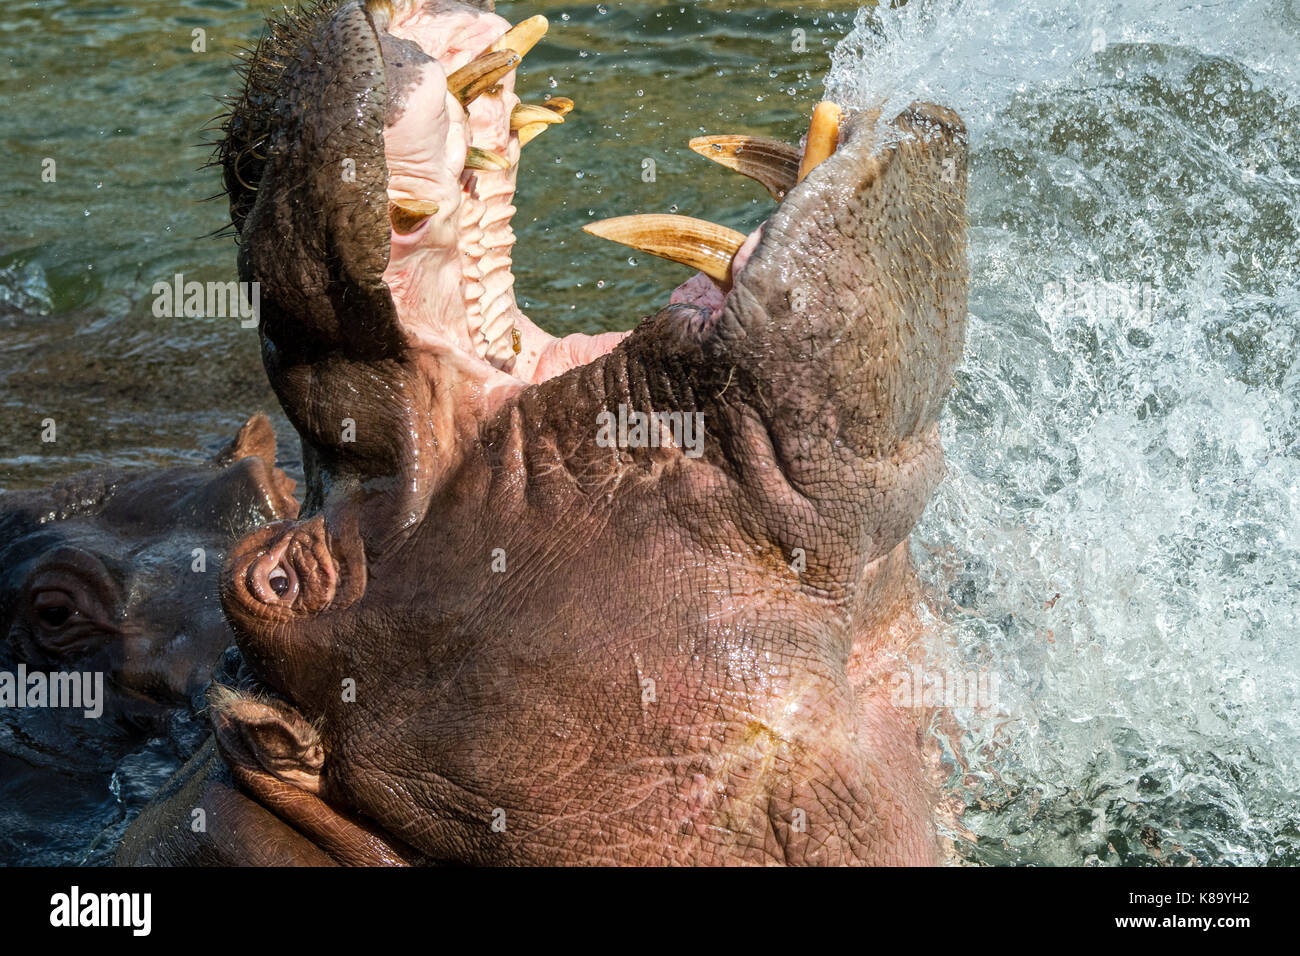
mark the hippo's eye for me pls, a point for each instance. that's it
(279, 581)
(54, 609)
(55, 616)
(273, 580)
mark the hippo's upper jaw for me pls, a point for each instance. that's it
(516, 628)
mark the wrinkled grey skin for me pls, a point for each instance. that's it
(97, 577)
(97, 574)
(649, 680)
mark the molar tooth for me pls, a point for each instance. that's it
(823, 137)
(524, 35)
(526, 114)
(485, 159)
(408, 215)
(770, 162)
(697, 243)
(479, 75)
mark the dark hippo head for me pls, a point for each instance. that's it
(114, 573)
(574, 600)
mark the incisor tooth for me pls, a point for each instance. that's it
(476, 158)
(701, 245)
(823, 137)
(479, 75)
(524, 35)
(526, 114)
(407, 215)
(770, 162)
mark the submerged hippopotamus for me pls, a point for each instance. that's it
(113, 574)
(617, 599)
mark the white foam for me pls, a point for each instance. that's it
(1120, 536)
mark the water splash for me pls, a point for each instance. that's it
(1119, 538)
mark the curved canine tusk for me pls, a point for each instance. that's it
(476, 158)
(524, 35)
(526, 114)
(701, 245)
(408, 215)
(479, 75)
(823, 137)
(770, 162)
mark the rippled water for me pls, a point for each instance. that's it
(1119, 540)
(1119, 535)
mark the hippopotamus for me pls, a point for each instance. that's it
(618, 599)
(114, 573)
(112, 626)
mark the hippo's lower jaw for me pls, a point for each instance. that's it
(531, 620)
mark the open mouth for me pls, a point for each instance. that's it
(453, 134)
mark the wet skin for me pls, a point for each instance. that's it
(97, 573)
(497, 640)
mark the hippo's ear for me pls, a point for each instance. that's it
(267, 737)
(256, 439)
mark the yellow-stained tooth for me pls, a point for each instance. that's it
(526, 114)
(476, 158)
(408, 215)
(823, 137)
(770, 162)
(697, 243)
(530, 132)
(479, 75)
(523, 36)
(560, 104)
(556, 106)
